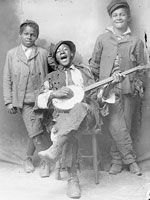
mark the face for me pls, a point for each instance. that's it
(64, 55)
(120, 19)
(28, 36)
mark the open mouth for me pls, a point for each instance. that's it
(63, 57)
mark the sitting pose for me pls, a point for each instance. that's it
(72, 116)
(67, 122)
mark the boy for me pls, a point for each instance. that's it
(24, 71)
(68, 122)
(115, 51)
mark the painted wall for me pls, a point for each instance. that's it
(65, 19)
(78, 20)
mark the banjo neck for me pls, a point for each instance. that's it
(109, 79)
(66, 104)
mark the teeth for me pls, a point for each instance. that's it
(64, 57)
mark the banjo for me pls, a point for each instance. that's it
(79, 92)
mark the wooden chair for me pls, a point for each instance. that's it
(96, 157)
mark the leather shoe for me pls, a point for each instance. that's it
(115, 169)
(73, 189)
(44, 169)
(134, 169)
(28, 165)
(51, 154)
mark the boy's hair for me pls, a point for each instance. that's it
(115, 4)
(30, 23)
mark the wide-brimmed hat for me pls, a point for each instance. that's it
(67, 42)
(114, 4)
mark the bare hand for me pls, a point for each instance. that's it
(63, 92)
(117, 77)
(11, 109)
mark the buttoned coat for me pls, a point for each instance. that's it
(16, 72)
(131, 50)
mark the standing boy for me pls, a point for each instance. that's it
(115, 51)
(24, 71)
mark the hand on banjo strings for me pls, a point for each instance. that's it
(63, 92)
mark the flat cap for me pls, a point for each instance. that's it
(28, 21)
(114, 4)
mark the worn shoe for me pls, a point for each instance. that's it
(44, 169)
(115, 169)
(51, 154)
(73, 189)
(134, 169)
(28, 165)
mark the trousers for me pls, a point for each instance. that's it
(119, 123)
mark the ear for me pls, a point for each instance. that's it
(129, 19)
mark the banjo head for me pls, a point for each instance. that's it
(67, 104)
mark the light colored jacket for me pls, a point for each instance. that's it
(16, 73)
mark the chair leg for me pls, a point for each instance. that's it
(95, 159)
(58, 168)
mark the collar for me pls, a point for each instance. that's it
(62, 68)
(26, 48)
(127, 32)
(22, 53)
(72, 67)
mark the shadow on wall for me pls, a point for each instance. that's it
(9, 24)
(42, 43)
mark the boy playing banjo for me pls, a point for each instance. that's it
(69, 121)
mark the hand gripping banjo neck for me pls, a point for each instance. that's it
(67, 104)
(109, 79)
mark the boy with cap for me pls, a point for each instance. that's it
(68, 122)
(115, 51)
(24, 71)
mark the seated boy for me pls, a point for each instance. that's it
(68, 122)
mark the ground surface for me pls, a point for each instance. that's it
(15, 184)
